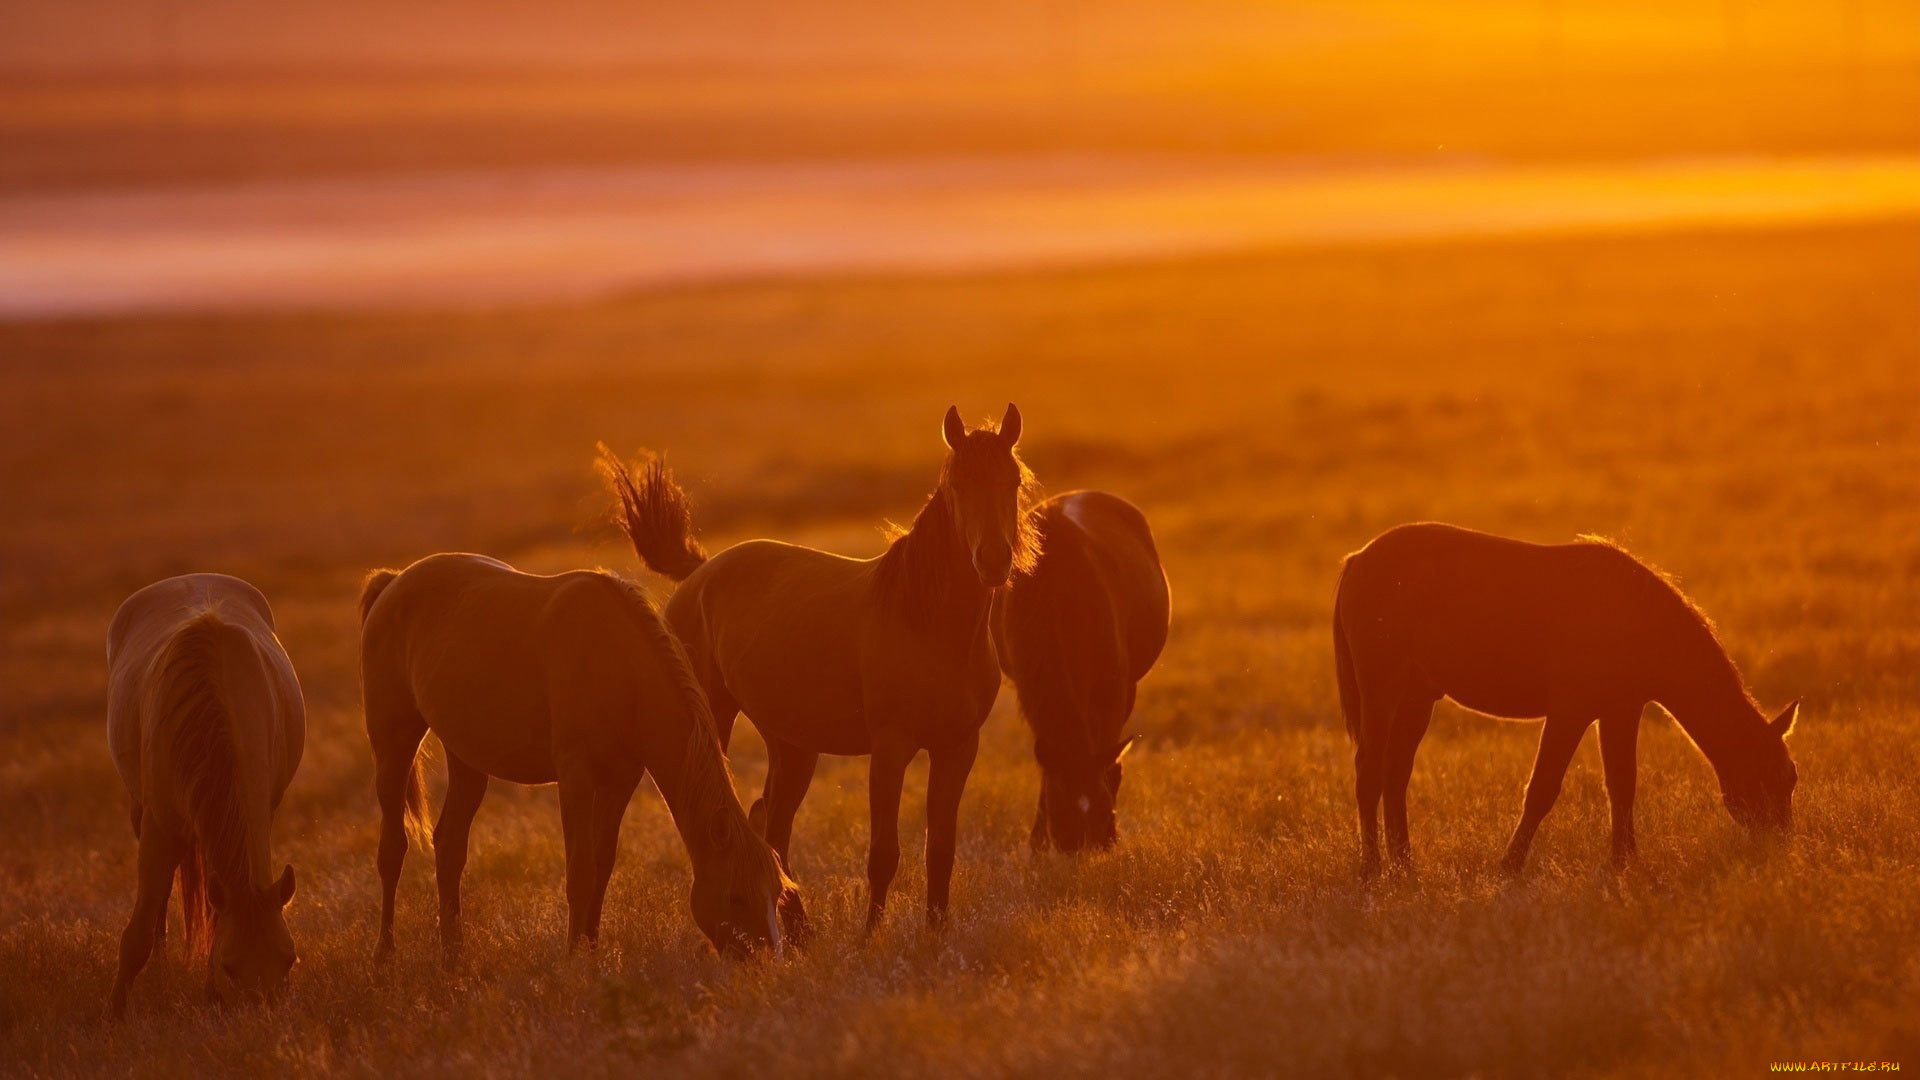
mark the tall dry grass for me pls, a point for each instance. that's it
(1736, 408)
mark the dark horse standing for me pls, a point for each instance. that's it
(1075, 634)
(886, 656)
(1571, 632)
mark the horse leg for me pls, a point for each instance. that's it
(1039, 837)
(576, 826)
(1410, 726)
(1369, 770)
(160, 916)
(609, 808)
(725, 711)
(886, 772)
(159, 857)
(466, 786)
(1558, 741)
(395, 744)
(1619, 743)
(789, 774)
(947, 769)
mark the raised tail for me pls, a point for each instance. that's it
(1343, 666)
(655, 515)
(377, 582)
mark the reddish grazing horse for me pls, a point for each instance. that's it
(1571, 632)
(569, 679)
(829, 655)
(1075, 634)
(206, 724)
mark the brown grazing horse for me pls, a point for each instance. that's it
(569, 679)
(206, 725)
(830, 655)
(1076, 634)
(1571, 632)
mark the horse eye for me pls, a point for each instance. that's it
(231, 970)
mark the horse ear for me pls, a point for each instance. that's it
(1782, 725)
(757, 818)
(284, 887)
(1010, 425)
(1120, 752)
(952, 429)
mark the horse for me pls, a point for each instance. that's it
(569, 679)
(1076, 634)
(826, 654)
(206, 725)
(1575, 633)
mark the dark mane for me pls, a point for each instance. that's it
(923, 571)
(1044, 647)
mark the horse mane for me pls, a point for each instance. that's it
(705, 778)
(1694, 622)
(206, 758)
(917, 570)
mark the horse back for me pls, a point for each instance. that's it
(1502, 626)
(1090, 618)
(1125, 565)
(229, 625)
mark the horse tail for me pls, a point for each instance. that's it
(377, 582)
(1343, 665)
(416, 816)
(655, 515)
(181, 694)
(196, 906)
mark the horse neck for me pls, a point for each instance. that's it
(928, 572)
(691, 773)
(1703, 692)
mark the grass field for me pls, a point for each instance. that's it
(1736, 408)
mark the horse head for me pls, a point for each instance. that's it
(985, 487)
(252, 951)
(1079, 798)
(743, 900)
(1759, 794)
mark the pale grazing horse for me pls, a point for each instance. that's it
(1076, 634)
(569, 679)
(826, 654)
(206, 725)
(1574, 633)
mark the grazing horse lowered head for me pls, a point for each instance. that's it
(206, 725)
(569, 679)
(885, 656)
(1076, 634)
(1571, 632)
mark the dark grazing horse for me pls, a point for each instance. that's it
(1076, 634)
(885, 656)
(1574, 633)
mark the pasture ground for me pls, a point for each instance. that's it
(1737, 408)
